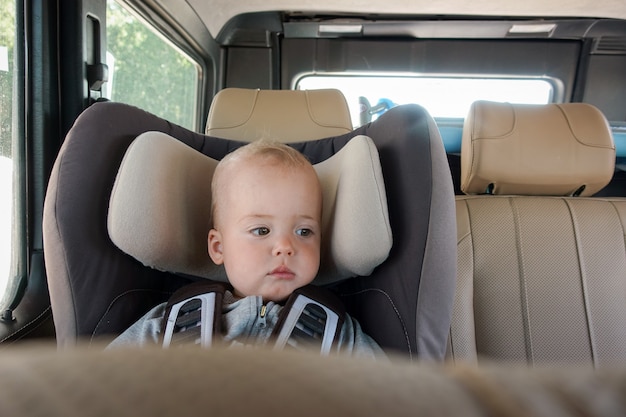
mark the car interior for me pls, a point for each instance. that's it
(471, 158)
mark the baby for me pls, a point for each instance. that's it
(267, 210)
(266, 213)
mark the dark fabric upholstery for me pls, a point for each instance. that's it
(96, 289)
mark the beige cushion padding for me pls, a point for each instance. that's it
(187, 381)
(283, 115)
(159, 210)
(551, 149)
(540, 280)
(357, 234)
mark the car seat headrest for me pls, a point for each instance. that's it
(521, 149)
(159, 210)
(282, 115)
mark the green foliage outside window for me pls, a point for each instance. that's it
(148, 72)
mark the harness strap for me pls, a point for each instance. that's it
(192, 314)
(311, 319)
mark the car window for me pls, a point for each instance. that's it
(8, 164)
(147, 71)
(443, 96)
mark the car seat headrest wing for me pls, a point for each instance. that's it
(522, 149)
(159, 210)
(357, 235)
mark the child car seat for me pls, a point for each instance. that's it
(96, 289)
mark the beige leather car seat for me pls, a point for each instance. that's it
(541, 268)
(283, 115)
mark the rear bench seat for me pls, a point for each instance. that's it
(541, 267)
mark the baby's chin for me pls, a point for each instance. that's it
(277, 292)
(279, 295)
(276, 297)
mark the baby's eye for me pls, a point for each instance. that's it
(304, 232)
(260, 231)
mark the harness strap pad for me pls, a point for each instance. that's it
(312, 318)
(193, 314)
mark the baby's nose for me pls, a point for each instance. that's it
(283, 246)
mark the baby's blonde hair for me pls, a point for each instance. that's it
(278, 153)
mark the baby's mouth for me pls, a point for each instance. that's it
(282, 272)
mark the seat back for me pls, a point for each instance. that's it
(541, 271)
(96, 289)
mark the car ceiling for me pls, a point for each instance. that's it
(215, 13)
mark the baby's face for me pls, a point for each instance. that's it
(269, 230)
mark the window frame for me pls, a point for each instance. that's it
(20, 245)
(205, 72)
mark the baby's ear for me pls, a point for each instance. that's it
(215, 247)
